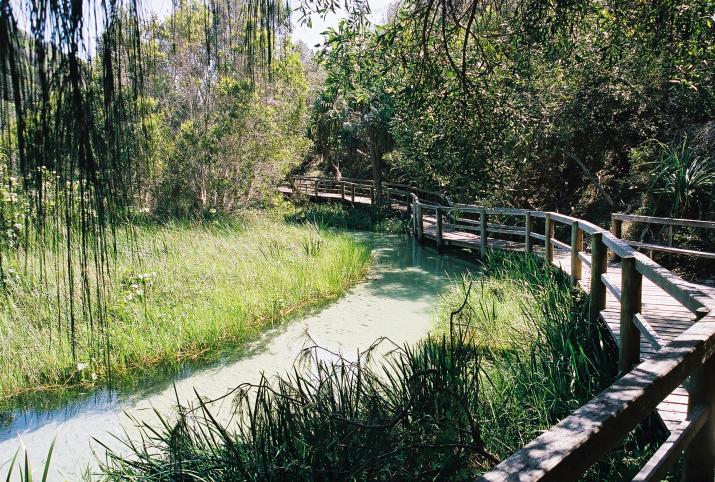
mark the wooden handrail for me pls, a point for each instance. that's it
(403, 189)
(691, 223)
(577, 442)
(568, 449)
(617, 220)
(695, 301)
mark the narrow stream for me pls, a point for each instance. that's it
(397, 301)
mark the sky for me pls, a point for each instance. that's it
(309, 35)
(312, 36)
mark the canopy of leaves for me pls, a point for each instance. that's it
(532, 104)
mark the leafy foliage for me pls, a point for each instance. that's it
(530, 104)
(105, 112)
(683, 179)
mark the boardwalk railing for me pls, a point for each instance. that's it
(355, 190)
(567, 450)
(617, 220)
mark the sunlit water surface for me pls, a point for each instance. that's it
(397, 301)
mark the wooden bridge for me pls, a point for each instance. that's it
(663, 325)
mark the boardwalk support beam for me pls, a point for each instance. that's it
(483, 232)
(598, 267)
(528, 227)
(576, 248)
(617, 231)
(699, 460)
(631, 289)
(420, 223)
(440, 241)
(548, 236)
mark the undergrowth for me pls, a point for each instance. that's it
(541, 357)
(358, 217)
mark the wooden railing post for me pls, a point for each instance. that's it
(292, 185)
(317, 182)
(576, 248)
(599, 265)
(420, 223)
(670, 241)
(548, 235)
(483, 231)
(630, 336)
(342, 191)
(528, 247)
(617, 231)
(617, 228)
(438, 227)
(352, 193)
(372, 194)
(699, 459)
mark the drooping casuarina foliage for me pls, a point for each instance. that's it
(107, 109)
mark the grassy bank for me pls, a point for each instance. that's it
(541, 358)
(177, 291)
(513, 353)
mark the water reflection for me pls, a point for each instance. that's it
(397, 302)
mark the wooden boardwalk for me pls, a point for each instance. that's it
(666, 316)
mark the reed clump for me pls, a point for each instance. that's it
(541, 357)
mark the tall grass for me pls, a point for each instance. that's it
(365, 218)
(448, 408)
(179, 290)
(408, 416)
(24, 469)
(541, 358)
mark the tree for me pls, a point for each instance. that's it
(353, 111)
